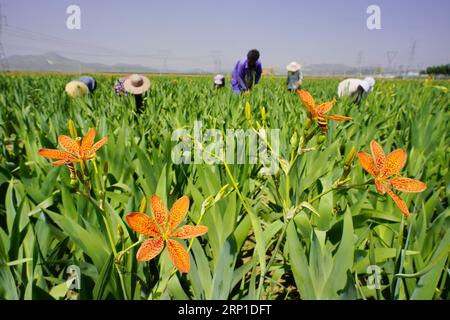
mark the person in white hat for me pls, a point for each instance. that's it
(81, 86)
(294, 76)
(356, 88)
(219, 81)
(137, 85)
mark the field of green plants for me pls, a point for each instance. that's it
(317, 229)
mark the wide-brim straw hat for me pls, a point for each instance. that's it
(136, 84)
(293, 66)
(76, 88)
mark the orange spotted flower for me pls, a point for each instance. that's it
(317, 113)
(382, 167)
(75, 150)
(160, 230)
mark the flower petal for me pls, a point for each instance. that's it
(98, 145)
(56, 154)
(159, 210)
(399, 202)
(88, 139)
(395, 161)
(380, 187)
(367, 162)
(378, 155)
(61, 162)
(187, 232)
(150, 249)
(325, 107)
(307, 100)
(143, 224)
(178, 212)
(335, 117)
(407, 184)
(69, 145)
(179, 255)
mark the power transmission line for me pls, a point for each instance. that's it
(391, 55)
(359, 62)
(216, 54)
(164, 56)
(65, 46)
(412, 55)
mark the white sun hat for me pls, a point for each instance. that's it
(136, 84)
(76, 88)
(218, 79)
(293, 66)
(367, 84)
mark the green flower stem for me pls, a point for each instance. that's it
(121, 253)
(340, 188)
(101, 209)
(402, 254)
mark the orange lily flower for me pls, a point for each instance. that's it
(162, 231)
(75, 150)
(382, 167)
(317, 113)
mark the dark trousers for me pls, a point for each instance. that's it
(139, 103)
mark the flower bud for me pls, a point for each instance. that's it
(248, 112)
(143, 205)
(263, 114)
(73, 183)
(308, 123)
(120, 231)
(294, 139)
(72, 129)
(321, 139)
(350, 156)
(223, 192)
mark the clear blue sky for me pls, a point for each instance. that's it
(192, 32)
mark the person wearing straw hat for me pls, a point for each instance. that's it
(137, 85)
(246, 72)
(219, 81)
(81, 86)
(356, 88)
(294, 76)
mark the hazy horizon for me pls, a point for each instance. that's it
(180, 35)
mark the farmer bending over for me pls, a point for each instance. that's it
(356, 88)
(294, 76)
(81, 86)
(137, 85)
(246, 73)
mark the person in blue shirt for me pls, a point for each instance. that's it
(246, 72)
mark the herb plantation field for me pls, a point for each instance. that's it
(338, 218)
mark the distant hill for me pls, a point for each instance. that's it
(53, 62)
(57, 63)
